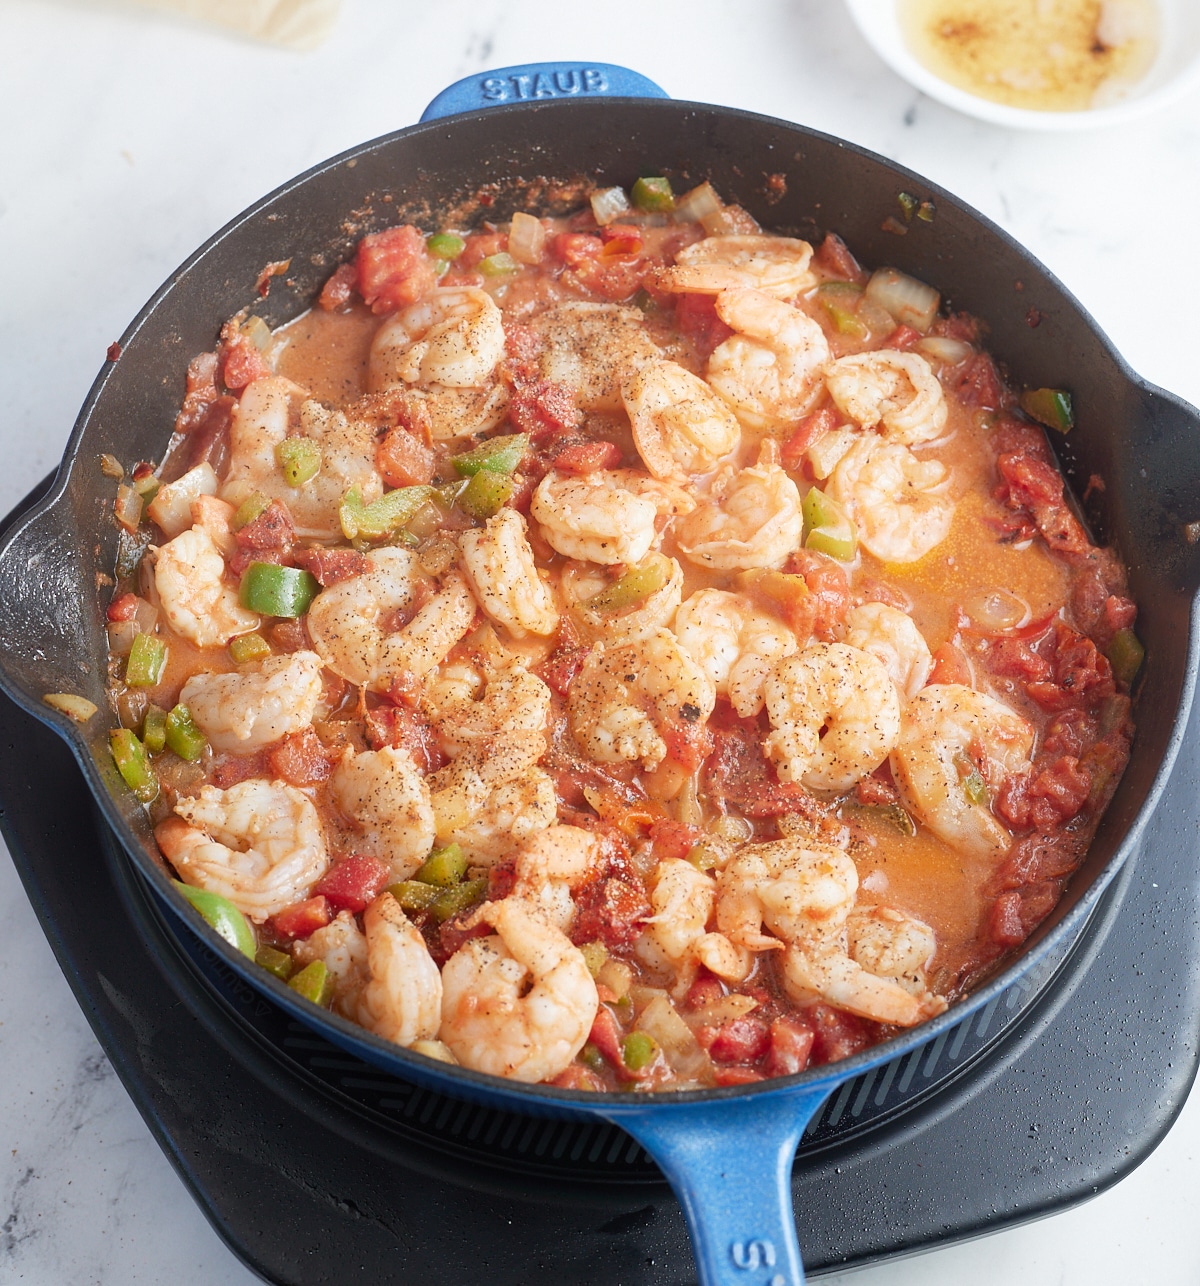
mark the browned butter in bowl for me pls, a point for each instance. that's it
(1043, 55)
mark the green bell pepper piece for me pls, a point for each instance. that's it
(132, 763)
(634, 586)
(273, 590)
(415, 896)
(222, 916)
(1049, 406)
(444, 867)
(638, 1050)
(249, 647)
(653, 194)
(299, 460)
(382, 517)
(1125, 654)
(496, 455)
(154, 729)
(147, 661)
(314, 983)
(445, 245)
(828, 527)
(277, 962)
(249, 509)
(456, 899)
(183, 737)
(486, 494)
(499, 265)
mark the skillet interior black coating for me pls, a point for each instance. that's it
(1140, 441)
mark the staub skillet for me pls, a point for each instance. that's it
(727, 1152)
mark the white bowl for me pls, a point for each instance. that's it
(1176, 69)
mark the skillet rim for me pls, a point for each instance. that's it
(615, 1104)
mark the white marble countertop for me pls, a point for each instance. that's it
(130, 137)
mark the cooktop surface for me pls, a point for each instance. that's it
(313, 1166)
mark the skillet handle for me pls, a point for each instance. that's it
(730, 1164)
(540, 82)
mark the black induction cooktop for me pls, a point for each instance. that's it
(316, 1168)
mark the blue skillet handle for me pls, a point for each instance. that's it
(730, 1164)
(540, 82)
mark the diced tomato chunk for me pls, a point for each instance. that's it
(575, 248)
(903, 337)
(740, 1040)
(737, 1076)
(696, 316)
(837, 1034)
(586, 457)
(578, 1077)
(403, 459)
(810, 429)
(706, 990)
(674, 839)
(979, 384)
(242, 363)
(544, 409)
(123, 608)
(611, 911)
(300, 759)
(950, 665)
(481, 246)
(338, 291)
(791, 1046)
(606, 1036)
(302, 918)
(354, 882)
(834, 256)
(393, 268)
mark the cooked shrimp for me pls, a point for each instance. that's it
(344, 621)
(752, 518)
(770, 371)
(591, 347)
(511, 813)
(890, 944)
(196, 600)
(683, 899)
(778, 266)
(805, 896)
(898, 502)
(520, 1003)
(494, 737)
(550, 865)
(734, 643)
(799, 891)
(259, 844)
(895, 390)
(831, 975)
(402, 998)
(835, 715)
(342, 948)
(386, 800)
(580, 583)
(892, 637)
(269, 411)
(626, 697)
(500, 568)
(215, 517)
(456, 412)
(609, 516)
(256, 704)
(680, 426)
(947, 733)
(452, 337)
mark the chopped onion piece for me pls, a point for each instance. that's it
(111, 467)
(78, 708)
(675, 1038)
(434, 1049)
(128, 507)
(527, 238)
(145, 616)
(908, 300)
(609, 204)
(257, 332)
(828, 449)
(120, 637)
(722, 1011)
(996, 609)
(699, 204)
(171, 508)
(947, 351)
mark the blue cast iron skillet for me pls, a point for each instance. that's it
(518, 135)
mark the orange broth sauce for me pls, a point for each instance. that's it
(327, 352)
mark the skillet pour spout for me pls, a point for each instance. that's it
(727, 1152)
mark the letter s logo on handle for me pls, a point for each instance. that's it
(749, 1255)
